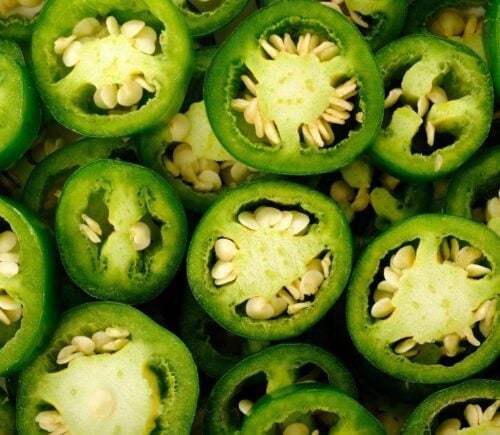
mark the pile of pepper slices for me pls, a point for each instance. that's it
(271, 217)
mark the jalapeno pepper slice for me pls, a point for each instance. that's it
(474, 190)
(231, 399)
(44, 185)
(438, 107)
(294, 90)
(422, 301)
(471, 407)
(492, 42)
(19, 110)
(109, 368)
(110, 70)
(269, 259)
(27, 286)
(121, 231)
(314, 408)
(379, 22)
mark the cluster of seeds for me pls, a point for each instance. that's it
(205, 175)
(129, 91)
(452, 23)
(139, 233)
(52, 421)
(318, 133)
(223, 270)
(436, 95)
(342, 7)
(292, 297)
(292, 221)
(108, 341)
(467, 257)
(10, 310)
(44, 148)
(474, 416)
(490, 211)
(9, 254)
(24, 8)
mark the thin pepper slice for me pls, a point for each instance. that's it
(109, 368)
(121, 231)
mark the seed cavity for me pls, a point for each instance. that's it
(108, 341)
(473, 416)
(127, 92)
(318, 133)
(21, 8)
(9, 254)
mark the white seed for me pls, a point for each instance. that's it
(230, 277)
(326, 50)
(314, 264)
(117, 332)
(245, 406)
(486, 324)
(296, 308)
(469, 335)
(326, 263)
(285, 221)
(287, 297)
(387, 286)
(140, 234)
(468, 255)
(60, 44)
(183, 155)
(4, 318)
(92, 224)
(249, 84)
(8, 302)
(477, 271)
(178, 127)
(100, 338)
(471, 25)
(208, 181)
(310, 282)
(430, 131)
(405, 346)
(380, 294)
(473, 414)
(9, 268)
(8, 241)
(451, 344)
(388, 181)
(209, 165)
(293, 288)
(87, 232)
(140, 80)
(454, 248)
(422, 106)
(277, 42)
(225, 249)
(87, 27)
(492, 208)
(490, 411)
(341, 192)
(247, 219)
(450, 426)
(360, 117)
(132, 28)
(438, 163)
(105, 97)
(269, 48)
(129, 93)
(84, 344)
(221, 269)
(392, 97)
(296, 429)
(404, 257)
(267, 216)
(356, 19)
(115, 345)
(67, 354)
(444, 249)
(49, 421)
(361, 200)
(437, 95)
(392, 276)
(382, 308)
(15, 314)
(145, 40)
(112, 26)
(271, 132)
(71, 55)
(279, 305)
(300, 221)
(259, 309)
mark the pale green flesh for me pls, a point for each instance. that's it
(110, 60)
(82, 392)
(272, 260)
(420, 77)
(10, 87)
(293, 90)
(386, 205)
(433, 299)
(404, 125)
(486, 428)
(358, 174)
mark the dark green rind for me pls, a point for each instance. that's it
(492, 42)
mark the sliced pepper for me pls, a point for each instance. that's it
(438, 108)
(110, 70)
(28, 271)
(109, 369)
(474, 190)
(314, 408)
(294, 90)
(422, 301)
(269, 259)
(231, 399)
(471, 407)
(19, 110)
(121, 231)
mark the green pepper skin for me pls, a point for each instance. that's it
(423, 420)
(330, 231)
(492, 42)
(291, 156)
(48, 176)
(208, 19)
(7, 416)
(373, 338)
(19, 108)
(466, 117)
(34, 286)
(287, 402)
(386, 19)
(69, 97)
(266, 372)
(478, 179)
(118, 195)
(154, 356)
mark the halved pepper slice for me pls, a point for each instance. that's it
(269, 259)
(438, 107)
(471, 408)
(310, 408)
(109, 369)
(233, 396)
(110, 69)
(422, 301)
(28, 268)
(294, 90)
(121, 231)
